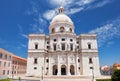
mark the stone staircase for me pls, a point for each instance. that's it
(60, 78)
(67, 78)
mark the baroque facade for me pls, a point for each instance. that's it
(62, 52)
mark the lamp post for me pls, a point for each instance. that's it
(92, 74)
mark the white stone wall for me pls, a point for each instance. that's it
(89, 53)
(70, 59)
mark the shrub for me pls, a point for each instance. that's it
(116, 75)
(104, 80)
(5, 79)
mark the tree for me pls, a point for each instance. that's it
(116, 75)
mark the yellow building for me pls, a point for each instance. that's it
(116, 67)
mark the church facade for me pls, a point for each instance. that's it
(62, 52)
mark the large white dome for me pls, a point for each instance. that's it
(61, 18)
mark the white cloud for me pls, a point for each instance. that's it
(99, 4)
(73, 6)
(110, 43)
(68, 5)
(20, 27)
(61, 2)
(49, 14)
(39, 25)
(74, 10)
(23, 45)
(21, 31)
(84, 2)
(24, 35)
(107, 31)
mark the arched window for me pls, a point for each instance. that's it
(53, 30)
(62, 29)
(70, 29)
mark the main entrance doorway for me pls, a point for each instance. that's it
(63, 70)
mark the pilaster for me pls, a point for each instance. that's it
(58, 64)
(68, 65)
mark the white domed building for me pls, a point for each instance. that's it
(62, 52)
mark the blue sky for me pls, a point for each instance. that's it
(18, 18)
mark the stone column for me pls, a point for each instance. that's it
(68, 65)
(49, 68)
(58, 65)
(76, 64)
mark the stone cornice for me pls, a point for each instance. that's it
(82, 36)
(52, 24)
(63, 34)
(37, 35)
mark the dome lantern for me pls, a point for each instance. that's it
(61, 10)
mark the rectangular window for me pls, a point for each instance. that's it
(89, 46)
(63, 46)
(78, 60)
(90, 60)
(9, 57)
(4, 64)
(55, 40)
(8, 64)
(63, 39)
(1, 55)
(36, 46)
(71, 47)
(91, 67)
(8, 72)
(48, 47)
(77, 42)
(3, 72)
(77, 47)
(47, 42)
(54, 45)
(71, 40)
(35, 61)
(0, 63)
(5, 56)
(47, 60)
(35, 68)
